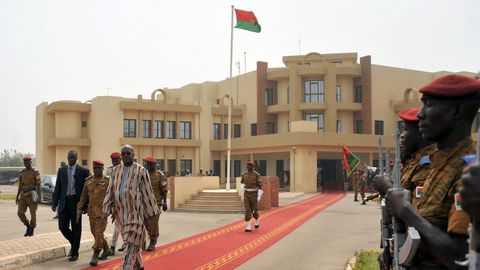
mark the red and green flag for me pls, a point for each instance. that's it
(246, 20)
(350, 161)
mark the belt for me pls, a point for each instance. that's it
(251, 189)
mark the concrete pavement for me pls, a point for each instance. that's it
(326, 241)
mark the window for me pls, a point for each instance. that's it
(185, 164)
(84, 124)
(171, 130)
(161, 164)
(253, 129)
(236, 168)
(318, 117)
(269, 97)
(159, 129)
(378, 127)
(84, 162)
(129, 128)
(216, 167)
(225, 131)
(358, 94)
(262, 167)
(185, 130)
(146, 124)
(358, 128)
(288, 126)
(172, 167)
(339, 93)
(237, 131)
(339, 126)
(288, 95)
(313, 91)
(216, 131)
(271, 128)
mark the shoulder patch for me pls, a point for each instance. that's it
(425, 160)
(469, 159)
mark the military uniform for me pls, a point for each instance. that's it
(359, 181)
(28, 183)
(437, 204)
(93, 194)
(417, 171)
(252, 183)
(159, 186)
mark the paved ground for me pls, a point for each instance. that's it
(326, 241)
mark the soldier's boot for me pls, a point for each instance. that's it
(355, 199)
(112, 250)
(94, 260)
(30, 233)
(257, 223)
(27, 232)
(106, 252)
(363, 202)
(151, 246)
(249, 227)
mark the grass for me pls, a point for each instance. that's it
(7, 196)
(366, 260)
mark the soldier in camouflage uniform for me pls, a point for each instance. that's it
(251, 183)
(28, 195)
(450, 105)
(93, 194)
(159, 186)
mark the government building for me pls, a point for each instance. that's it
(291, 120)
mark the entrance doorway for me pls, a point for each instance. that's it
(327, 175)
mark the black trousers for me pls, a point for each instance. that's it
(67, 223)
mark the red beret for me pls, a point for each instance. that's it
(409, 115)
(115, 155)
(150, 159)
(98, 162)
(27, 158)
(452, 86)
(250, 162)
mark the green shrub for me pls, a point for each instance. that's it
(366, 260)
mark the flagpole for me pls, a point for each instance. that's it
(229, 126)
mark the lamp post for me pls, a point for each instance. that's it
(229, 139)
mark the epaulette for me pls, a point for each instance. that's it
(244, 172)
(425, 160)
(161, 173)
(258, 174)
(22, 170)
(88, 178)
(469, 159)
(106, 176)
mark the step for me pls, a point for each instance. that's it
(211, 207)
(217, 198)
(222, 211)
(217, 202)
(221, 194)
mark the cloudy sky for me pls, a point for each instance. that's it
(76, 50)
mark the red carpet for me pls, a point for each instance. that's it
(229, 246)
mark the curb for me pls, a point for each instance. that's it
(39, 256)
(351, 263)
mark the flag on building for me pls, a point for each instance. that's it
(350, 161)
(246, 20)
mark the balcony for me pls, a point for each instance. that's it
(223, 110)
(70, 106)
(159, 107)
(160, 142)
(68, 142)
(349, 106)
(312, 71)
(350, 70)
(278, 108)
(321, 106)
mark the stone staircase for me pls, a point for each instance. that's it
(213, 201)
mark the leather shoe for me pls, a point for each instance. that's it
(69, 253)
(73, 258)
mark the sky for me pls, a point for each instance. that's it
(79, 49)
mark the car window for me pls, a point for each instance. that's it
(53, 179)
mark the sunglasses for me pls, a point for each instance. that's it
(126, 153)
(97, 167)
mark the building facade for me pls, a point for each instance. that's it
(290, 120)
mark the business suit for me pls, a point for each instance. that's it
(67, 205)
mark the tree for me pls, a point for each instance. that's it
(13, 158)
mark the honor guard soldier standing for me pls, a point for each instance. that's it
(28, 195)
(252, 184)
(159, 186)
(94, 191)
(450, 104)
(116, 159)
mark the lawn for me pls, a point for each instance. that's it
(366, 260)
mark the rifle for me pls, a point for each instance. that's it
(405, 240)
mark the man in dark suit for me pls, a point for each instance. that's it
(69, 186)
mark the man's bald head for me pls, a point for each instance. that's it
(128, 153)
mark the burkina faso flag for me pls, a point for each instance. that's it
(350, 161)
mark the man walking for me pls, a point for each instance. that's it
(131, 196)
(115, 157)
(159, 186)
(92, 198)
(70, 181)
(28, 195)
(252, 184)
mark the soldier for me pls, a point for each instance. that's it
(28, 195)
(450, 105)
(354, 177)
(93, 194)
(159, 186)
(115, 157)
(251, 183)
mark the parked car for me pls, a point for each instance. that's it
(47, 183)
